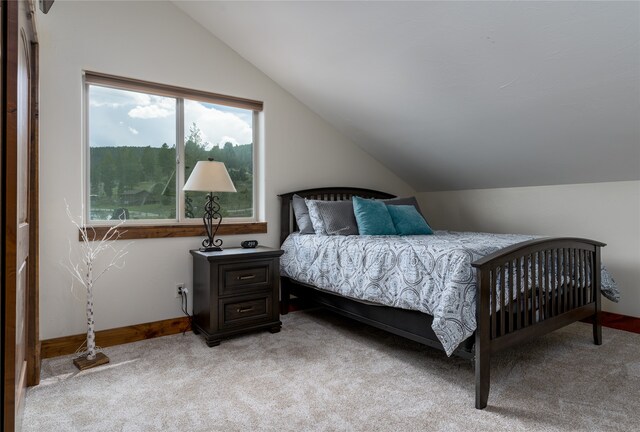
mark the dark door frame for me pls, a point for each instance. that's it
(10, 37)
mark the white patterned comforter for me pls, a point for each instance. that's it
(431, 274)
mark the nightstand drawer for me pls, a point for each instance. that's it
(245, 277)
(240, 312)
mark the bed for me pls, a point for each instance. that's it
(520, 287)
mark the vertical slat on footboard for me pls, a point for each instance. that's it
(553, 286)
(539, 286)
(565, 286)
(556, 278)
(545, 287)
(586, 286)
(587, 277)
(527, 289)
(493, 292)
(522, 306)
(510, 304)
(552, 281)
(570, 283)
(502, 290)
(591, 261)
(547, 284)
(576, 277)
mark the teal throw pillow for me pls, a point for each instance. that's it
(407, 220)
(372, 217)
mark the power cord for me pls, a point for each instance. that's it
(184, 304)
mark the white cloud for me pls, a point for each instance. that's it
(153, 107)
(133, 131)
(140, 105)
(217, 127)
(141, 98)
(149, 112)
(115, 98)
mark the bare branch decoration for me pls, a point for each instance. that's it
(81, 264)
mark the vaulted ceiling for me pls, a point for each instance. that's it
(458, 95)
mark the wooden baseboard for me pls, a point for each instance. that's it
(105, 338)
(133, 333)
(619, 322)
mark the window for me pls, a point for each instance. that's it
(144, 140)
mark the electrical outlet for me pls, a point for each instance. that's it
(178, 289)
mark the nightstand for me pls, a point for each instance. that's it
(235, 291)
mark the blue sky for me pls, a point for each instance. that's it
(125, 118)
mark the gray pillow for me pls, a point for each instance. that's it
(405, 201)
(332, 217)
(301, 212)
(316, 219)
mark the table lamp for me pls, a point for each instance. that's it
(210, 176)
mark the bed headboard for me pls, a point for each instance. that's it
(288, 221)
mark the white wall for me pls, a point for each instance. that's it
(155, 41)
(608, 212)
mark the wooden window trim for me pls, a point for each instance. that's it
(169, 90)
(132, 232)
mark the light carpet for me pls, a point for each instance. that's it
(326, 373)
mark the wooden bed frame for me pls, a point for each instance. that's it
(538, 308)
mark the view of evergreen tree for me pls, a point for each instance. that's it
(239, 162)
(141, 181)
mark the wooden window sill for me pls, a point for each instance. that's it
(130, 232)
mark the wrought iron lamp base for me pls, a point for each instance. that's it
(212, 219)
(211, 249)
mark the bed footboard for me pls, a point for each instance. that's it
(530, 289)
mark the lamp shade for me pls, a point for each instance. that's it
(209, 176)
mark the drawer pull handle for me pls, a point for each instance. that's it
(246, 277)
(244, 309)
